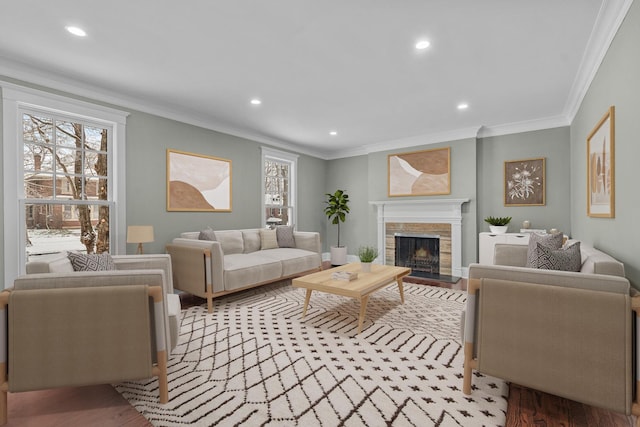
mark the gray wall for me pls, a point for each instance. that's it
(617, 83)
(350, 174)
(148, 138)
(552, 144)
(365, 177)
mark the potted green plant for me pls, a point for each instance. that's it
(336, 210)
(367, 255)
(498, 225)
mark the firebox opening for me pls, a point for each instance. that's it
(419, 252)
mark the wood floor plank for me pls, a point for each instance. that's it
(99, 405)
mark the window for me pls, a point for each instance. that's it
(63, 177)
(279, 185)
(65, 169)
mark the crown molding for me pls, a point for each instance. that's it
(413, 141)
(524, 126)
(48, 80)
(608, 21)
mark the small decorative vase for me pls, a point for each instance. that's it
(498, 229)
(366, 267)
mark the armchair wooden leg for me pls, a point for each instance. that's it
(162, 377)
(4, 410)
(209, 294)
(469, 363)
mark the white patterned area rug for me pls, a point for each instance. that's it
(255, 362)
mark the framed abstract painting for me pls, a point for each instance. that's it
(600, 168)
(419, 173)
(198, 183)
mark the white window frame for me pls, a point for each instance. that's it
(14, 100)
(292, 160)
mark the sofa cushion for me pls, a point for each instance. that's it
(294, 261)
(231, 241)
(242, 270)
(268, 239)
(563, 259)
(284, 233)
(251, 240)
(207, 234)
(553, 241)
(91, 262)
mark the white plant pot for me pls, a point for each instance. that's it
(365, 267)
(498, 229)
(338, 255)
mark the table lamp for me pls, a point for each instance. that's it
(139, 234)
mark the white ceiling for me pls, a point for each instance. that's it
(321, 65)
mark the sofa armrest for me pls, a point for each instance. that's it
(147, 262)
(182, 251)
(308, 240)
(568, 279)
(508, 254)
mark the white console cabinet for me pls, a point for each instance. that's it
(487, 242)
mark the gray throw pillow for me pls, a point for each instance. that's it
(207, 234)
(564, 259)
(553, 241)
(284, 233)
(91, 262)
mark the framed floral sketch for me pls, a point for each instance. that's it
(199, 183)
(524, 182)
(600, 168)
(419, 173)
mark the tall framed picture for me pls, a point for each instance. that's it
(524, 182)
(199, 183)
(600, 168)
(420, 173)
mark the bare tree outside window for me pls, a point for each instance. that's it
(277, 193)
(65, 174)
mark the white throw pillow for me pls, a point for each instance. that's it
(268, 239)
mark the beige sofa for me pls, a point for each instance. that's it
(155, 269)
(236, 261)
(565, 333)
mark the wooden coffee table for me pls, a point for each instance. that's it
(360, 288)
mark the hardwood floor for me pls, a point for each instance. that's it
(103, 406)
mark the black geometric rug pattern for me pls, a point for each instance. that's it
(255, 362)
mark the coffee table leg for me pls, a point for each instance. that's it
(401, 289)
(306, 302)
(363, 311)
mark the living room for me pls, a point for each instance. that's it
(477, 167)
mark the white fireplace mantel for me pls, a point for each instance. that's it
(445, 211)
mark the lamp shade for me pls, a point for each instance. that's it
(139, 233)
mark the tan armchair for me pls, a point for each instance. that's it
(565, 333)
(80, 330)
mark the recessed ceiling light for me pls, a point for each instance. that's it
(333, 133)
(76, 31)
(256, 101)
(422, 44)
(463, 106)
